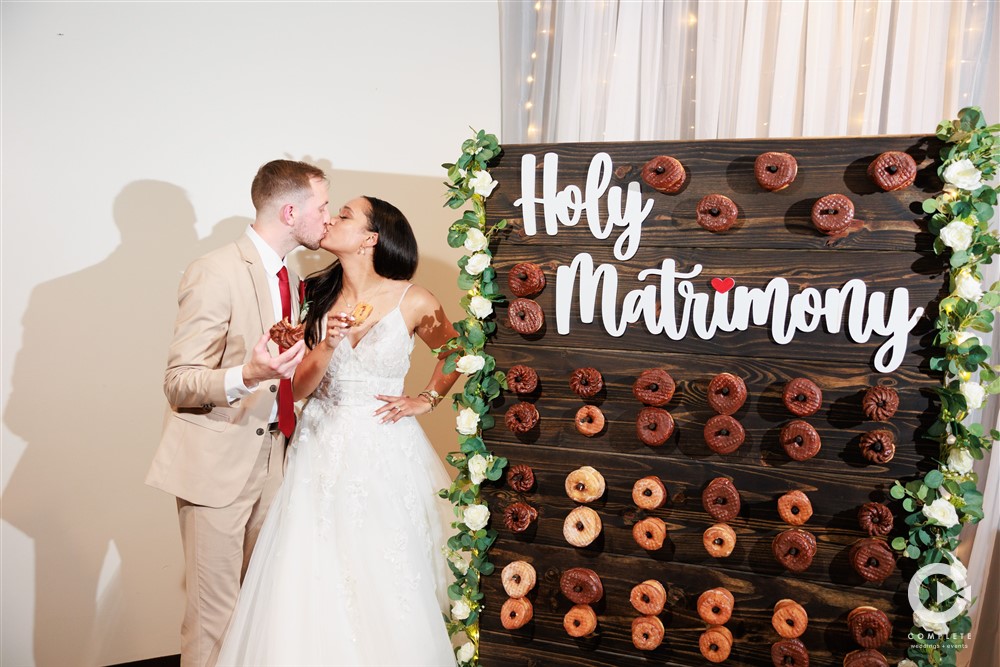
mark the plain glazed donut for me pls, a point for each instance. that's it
(893, 170)
(580, 620)
(716, 643)
(875, 519)
(832, 214)
(775, 171)
(721, 499)
(648, 597)
(715, 606)
(585, 484)
(794, 508)
(522, 379)
(526, 279)
(869, 626)
(880, 403)
(518, 578)
(794, 549)
(647, 632)
(872, 559)
(716, 213)
(723, 434)
(521, 417)
(581, 585)
(802, 397)
(878, 446)
(649, 533)
(589, 420)
(521, 478)
(654, 426)
(654, 387)
(664, 174)
(649, 493)
(582, 526)
(800, 440)
(586, 382)
(719, 540)
(726, 393)
(525, 316)
(515, 613)
(790, 619)
(789, 653)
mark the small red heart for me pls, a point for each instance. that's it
(723, 285)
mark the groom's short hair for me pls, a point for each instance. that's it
(280, 178)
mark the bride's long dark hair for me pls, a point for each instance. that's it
(394, 257)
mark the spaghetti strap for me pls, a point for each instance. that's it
(408, 286)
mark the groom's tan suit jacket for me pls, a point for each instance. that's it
(208, 447)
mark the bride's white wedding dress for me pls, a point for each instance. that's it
(348, 568)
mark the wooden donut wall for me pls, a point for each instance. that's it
(773, 238)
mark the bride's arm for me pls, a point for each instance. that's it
(313, 366)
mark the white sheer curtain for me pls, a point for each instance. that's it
(622, 70)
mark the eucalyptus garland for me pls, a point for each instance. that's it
(947, 497)
(469, 183)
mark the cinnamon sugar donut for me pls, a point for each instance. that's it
(518, 517)
(775, 171)
(518, 578)
(719, 540)
(869, 626)
(880, 403)
(723, 434)
(790, 619)
(893, 170)
(581, 526)
(802, 397)
(654, 387)
(726, 393)
(649, 493)
(521, 478)
(647, 632)
(716, 213)
(581, 585)
(789, 653)
(794, 549)
(586, 382)
(522, 379)
(716, 643)
(665, 174)
(521, 417)
(585, 484)
(649, 533)
(654, 426)
(800, 440)
(872, 559)
(515, 613)
(794, 508)
(832, 214)
(721, 499)
(589, 420)
(867, 657)
(715, 606)
(525, 316)
(526, 279)
(648, 597)
(580, 620)
(878, 446)
(875, 519)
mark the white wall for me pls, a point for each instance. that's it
(131, 132)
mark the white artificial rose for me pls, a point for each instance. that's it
(460, 610)
(963, 336)
(957, 235)
(477, 263)
(476, 516)
(462, 565)
(477, 469)
(470, 363)
(481, 307)
(968, 286)
(941, 512)
(482, 184)
(959, 574)
(906, 663)
(467, 650)
(937, 627)
(475, 240)
(960, 460)
(963, 174)
(974, 394)
(467, 421)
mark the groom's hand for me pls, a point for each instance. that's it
(262, 366)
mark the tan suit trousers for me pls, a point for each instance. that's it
(217, 543)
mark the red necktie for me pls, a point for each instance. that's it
(286, 408)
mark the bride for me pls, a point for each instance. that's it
(348, 568)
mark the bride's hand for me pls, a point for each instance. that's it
(397, 407)
(337, 325)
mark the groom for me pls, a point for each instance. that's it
(222, 449)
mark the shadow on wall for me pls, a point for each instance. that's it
(87, 399)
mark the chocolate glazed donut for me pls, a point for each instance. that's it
(875, 519)
(525, 316)
(794, 549)
(665, 174)
(869, 626)
(721, 499)
(526, 279)
(893, 170)
(654, 426)
(872, 559)
(789, 653)
(716, 213)
(832, 214)
(654, 387)
(522, 379)
(726, 393)
(775, 171)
